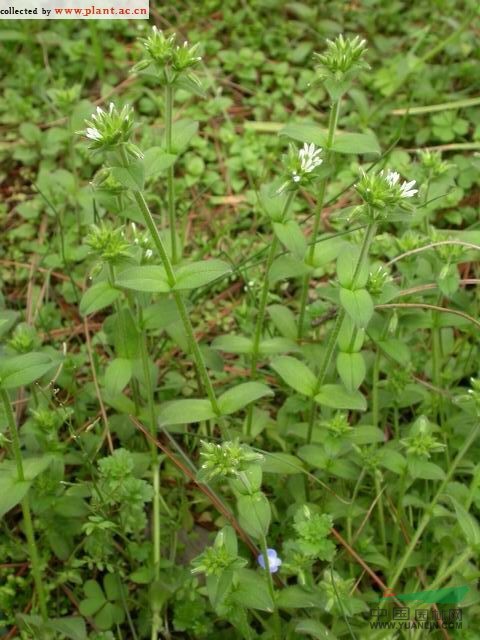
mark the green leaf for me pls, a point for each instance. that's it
(32, 467)
(291, 236)
(347, 265)
(218, 587)
(111, 587)
(350, 337)
(161, 314)
(358, 305)
(295, 597)
(315, 629)
(468, 524)
(252, 591)
(12, 492)
(272, 346)
(149, 279)
(73, 628)
(186, 412)
(366, 434)
(182, 132)
(233, 344)
(7, 320)
(351, 369)
(306, 132)
(449, 280)
(282, 463)
(94, 599)
(395, 349)
(327, 250)
(284, 320)
(131, 177)
(241, 396)
(98, 296)
(156, 160)
(335, 396)
(314, 455)
(25, 369)
(356, 143)
(287, 267)
(272, 202)
(296, 374)
(254, 514)
(198, 274)
(393, 461)
(344, 142)
(117, 375)
(425, 470)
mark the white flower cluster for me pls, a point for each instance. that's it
(406, 190)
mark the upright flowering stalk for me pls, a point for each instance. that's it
(172, 65)
(338, 64)
(299, 172)
(381, 193)
(110, 131)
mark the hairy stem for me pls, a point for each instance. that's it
(169, 96)
(332, 127)
(182, 309)
(257, 336)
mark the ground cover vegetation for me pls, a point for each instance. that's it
(239, 317)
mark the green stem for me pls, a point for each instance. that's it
(352, 503)
(257, 336)
(156, 523)
(400, 516)
(380, 511)
(27, 516)
(169, 96)
(429, 512)
(187, 325)
(375, 380)
(332, 341)
(156, 610)
(312, 413)
(263, 547)
(332, 127)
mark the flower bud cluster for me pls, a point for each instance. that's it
(300, 166)
(167, 57)
(109, 243)
(228, 459)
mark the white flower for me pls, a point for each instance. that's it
(301, 163)
(148, 253)
(93, 133)
(392, 179)
(309, 157)
(406, 189)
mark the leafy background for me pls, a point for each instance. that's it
(257, 75)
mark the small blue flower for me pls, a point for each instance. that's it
(274, 561)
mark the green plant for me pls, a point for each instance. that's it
(265, 412)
